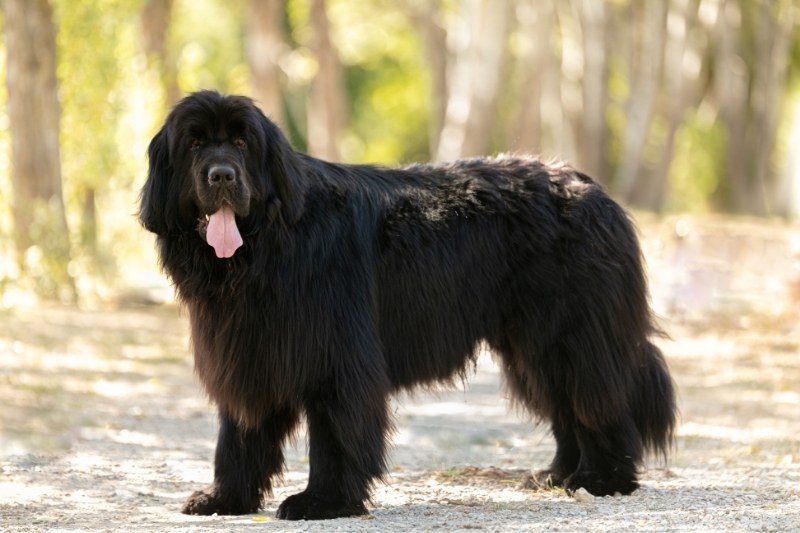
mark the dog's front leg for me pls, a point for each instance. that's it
(245, 462)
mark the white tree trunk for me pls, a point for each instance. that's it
(264, 45)
(326, 103)
(647, 53)
(34, 115)
(477, 42)
(536, 22)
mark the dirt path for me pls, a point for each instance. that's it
(103, 427)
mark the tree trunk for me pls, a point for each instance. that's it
(557, 105)
(427, 16)
(774, 40)
(478, 44)
(750, 99)
(593, 130)
(732, 80)
(536, 22)
(682, 69)
(156, 19)
(647, 52)
(326, 103)
(265, 46)
(40, 224)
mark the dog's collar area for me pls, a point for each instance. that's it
(202, 225)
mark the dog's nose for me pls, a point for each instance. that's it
(221, 175)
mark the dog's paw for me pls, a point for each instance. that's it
(599, 485)
(209, 501)
(306, 506)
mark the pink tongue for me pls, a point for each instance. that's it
(222, 232)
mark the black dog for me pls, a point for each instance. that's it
(321, 288)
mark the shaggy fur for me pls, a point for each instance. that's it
(355, 282)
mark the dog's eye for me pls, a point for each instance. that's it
(240, 143)
(195, 144)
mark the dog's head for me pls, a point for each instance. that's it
(218, 166)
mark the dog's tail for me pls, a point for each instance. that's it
(653, 403)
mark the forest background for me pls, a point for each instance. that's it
(674, 105)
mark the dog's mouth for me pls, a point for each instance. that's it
(222, 193)
(220, 231)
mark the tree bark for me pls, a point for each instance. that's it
(40, 225)
(536, 22)
(777, 22)
(593, 137)
(427, 16)
(156, 19)
(478, 45)
(682, 70)
(326, 103)
(265, 47)
(731, 87)
(749, 91)
(647, 53)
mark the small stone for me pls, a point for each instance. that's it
(582, 495)
(124, 494)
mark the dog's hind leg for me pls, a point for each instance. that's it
(598, 373)
(581, 391)
(609, 457)
(602, 458)
(565, 462)
(527, 383)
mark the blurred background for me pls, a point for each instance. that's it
(688, 111)
(677, 106)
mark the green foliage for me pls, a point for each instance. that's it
(794, 60)
(387, 81)
(699, 162)
(100, 69)
(91, 47)
(47, 263)
(8, 267)
(619, 91)
(389, 125)
(206, 37)
(385, 78)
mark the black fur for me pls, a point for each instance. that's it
(355, 282)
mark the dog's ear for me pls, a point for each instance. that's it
(286, 171)
(157, 208)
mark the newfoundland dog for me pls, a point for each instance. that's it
(320, 289)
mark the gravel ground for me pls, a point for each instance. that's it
(103, 426)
